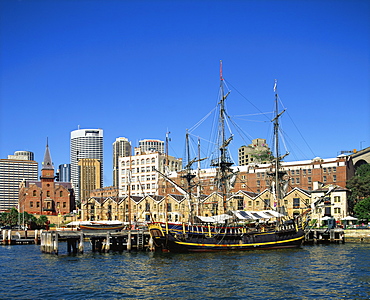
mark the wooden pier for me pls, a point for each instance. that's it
(14, 237)
(102, 242)
(324, 236)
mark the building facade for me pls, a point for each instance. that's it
(46, 197)
(121, 148)
(256, 177)
(22, 155)
(151, 146)
(138, 174)
(12, 172)
(85, 143)
(89, 176)
(257, 152)
(64, 173)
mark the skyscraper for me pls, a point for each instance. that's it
(121, 148)
(64, 172)
(85, 143)
(12, 172)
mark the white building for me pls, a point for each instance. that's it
(13, 171)
(85, 143)
(151, 145)
(139, 172)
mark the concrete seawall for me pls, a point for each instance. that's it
(357, 235)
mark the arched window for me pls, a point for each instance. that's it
(61, 194)
(34, 193)
(47, 193)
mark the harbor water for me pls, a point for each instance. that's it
(339, 271)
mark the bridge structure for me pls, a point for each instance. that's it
(361, 157)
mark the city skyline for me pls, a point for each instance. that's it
(140, 69)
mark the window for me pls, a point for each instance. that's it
(292, 179)
(296, 202)
(336, 198)
(47, 193)
(304, 171)
(297, 172)
(337, 210)
(240, 204)
(34, 193)
(309, 179)
(334, 178)
(297, 180)
(249, 203)
(169, 207)
(324, 178)
(292, 172)
(324, 170)
(31, 203)
(61, 194)
(257, 203)
(258, 183)
(37, 204)
(309, 171)
(334, 169)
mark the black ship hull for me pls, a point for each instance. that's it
(198, 238)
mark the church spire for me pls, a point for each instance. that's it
(47, 163)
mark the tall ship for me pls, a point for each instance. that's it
(228, 234)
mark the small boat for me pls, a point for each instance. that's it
(222, 233)
(102, 226)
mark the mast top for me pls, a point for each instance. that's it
(221, 77)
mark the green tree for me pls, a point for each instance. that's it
(41, 221)
(362, 209)
(360, 187)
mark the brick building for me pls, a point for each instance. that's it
(46, 197)
(255, 177)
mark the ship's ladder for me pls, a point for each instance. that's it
(140, 240)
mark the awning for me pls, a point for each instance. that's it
(349, 218)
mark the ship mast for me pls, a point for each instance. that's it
(189, 177)
(223, 162)
(278, 174)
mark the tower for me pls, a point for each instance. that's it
(121, 148)
(85, 143)
(47, 182)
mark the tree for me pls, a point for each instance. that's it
(362, 209)
(360, 188)
(41, 221)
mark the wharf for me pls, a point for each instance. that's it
(324, 236)
(125, 240)
(105, 241)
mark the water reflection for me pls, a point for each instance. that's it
(313, 272)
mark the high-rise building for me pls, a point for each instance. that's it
(90, 176)
(85, 143)
(121, 148)
(12, 173)
(151, 146)
(64, 172)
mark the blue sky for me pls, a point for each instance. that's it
(138, 69)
